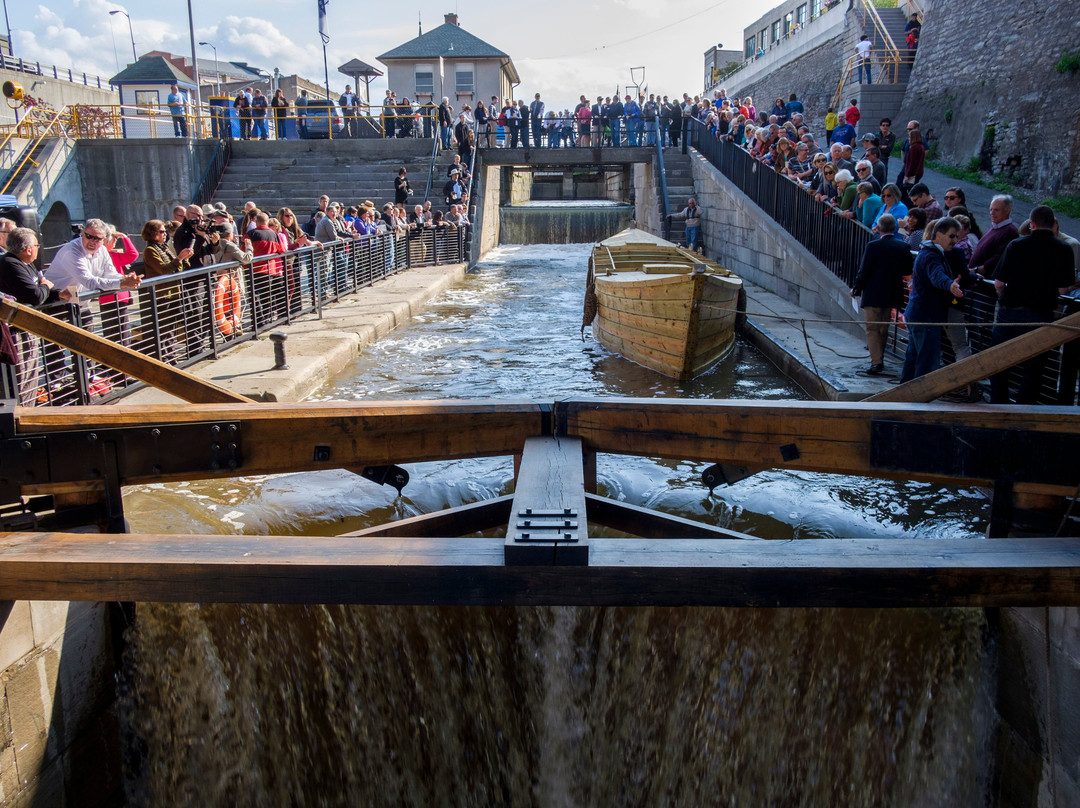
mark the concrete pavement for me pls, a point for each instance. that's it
(317, 349)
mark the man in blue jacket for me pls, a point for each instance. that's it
(932, 284)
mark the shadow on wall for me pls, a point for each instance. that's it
(55, 230)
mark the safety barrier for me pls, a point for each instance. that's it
(184, 318)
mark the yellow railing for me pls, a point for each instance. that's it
(36, 125)
(888, 69)
(80, 121)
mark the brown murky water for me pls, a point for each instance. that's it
(310, 706)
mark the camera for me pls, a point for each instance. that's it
(204, 226)
(220, 229)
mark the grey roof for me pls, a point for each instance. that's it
(356, 67)
(152, 70)
(447, 40)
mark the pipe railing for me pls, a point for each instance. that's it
(190, 316)
(47, 126)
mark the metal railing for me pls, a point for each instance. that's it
(59, 73)
(211, 177)
(889, 66)
(839, 243)
(836, 241)
(665, 204)
(187, 317)
(38, 123)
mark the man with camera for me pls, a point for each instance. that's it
(194, 234)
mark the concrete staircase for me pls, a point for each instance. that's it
(680, 185)
(294, 174)
(877, 101)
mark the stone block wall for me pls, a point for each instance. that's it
(1038, 704)
(59, 735)
(984, 86)
(742, 238)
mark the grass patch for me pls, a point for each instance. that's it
(997, 182)
(1068, 205)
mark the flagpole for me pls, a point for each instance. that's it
(325, 42)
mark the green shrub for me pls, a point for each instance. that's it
(1069, 62)
(1067, 204)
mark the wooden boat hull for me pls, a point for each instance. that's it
(656, 309)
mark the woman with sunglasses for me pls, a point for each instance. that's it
(159, 259)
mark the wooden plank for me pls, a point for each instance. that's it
(548, 522)
(179, 383)
(469, 518)
(622, 572)
(649, 524)
(829, 437)
(318, 435)
(984, 364)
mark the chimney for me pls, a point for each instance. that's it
(450, 18)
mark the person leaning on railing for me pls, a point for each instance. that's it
(159, 259)
(20, 279)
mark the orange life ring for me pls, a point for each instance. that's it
(228, 306)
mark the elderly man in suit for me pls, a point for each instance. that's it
(885, 263)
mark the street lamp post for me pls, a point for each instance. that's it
(131, 32)
(217, 68)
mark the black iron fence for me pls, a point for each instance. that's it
(839, 242)
(836, 241)
(184, 318)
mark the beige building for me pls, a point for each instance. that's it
(452, 63)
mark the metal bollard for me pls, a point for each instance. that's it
(278, 338)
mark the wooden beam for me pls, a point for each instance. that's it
(650, 524)
(179, 383)
(622, 572)
(471, 518)
(313, 435)
(984, 364)
(548, 520)
(829, 437)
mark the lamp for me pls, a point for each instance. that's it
(217, 67)
(131, 33)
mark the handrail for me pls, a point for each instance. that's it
(30, 149)
(472, 168)
(213, 173)
(665, 205)
(431, 162)
(889, 72)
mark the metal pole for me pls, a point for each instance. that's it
(326, 70)
(7, 22)
(194, 61)
(217, 67)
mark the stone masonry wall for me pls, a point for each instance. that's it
(984, 85)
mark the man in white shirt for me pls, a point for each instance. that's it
(84, 263)
(863, 63)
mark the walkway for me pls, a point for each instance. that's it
(978, 201)
(318, 349)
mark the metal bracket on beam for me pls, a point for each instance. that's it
(79, 456)
(547, 525)
(387, 475)
(722, 474)
(1021, 456)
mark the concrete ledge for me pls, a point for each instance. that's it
(316, 349)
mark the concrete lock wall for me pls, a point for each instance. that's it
(742, 238)
(127, 182)
(1037, 760)
(59, 734)
(57, 93)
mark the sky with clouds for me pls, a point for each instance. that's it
(561, 48)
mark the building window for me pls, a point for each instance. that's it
(425, 80)
(789, 23)
(463, 79)
(146, 100)
(815, 9)
(751, 47)
(761, 39)
(800, 14)
(776, 32)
